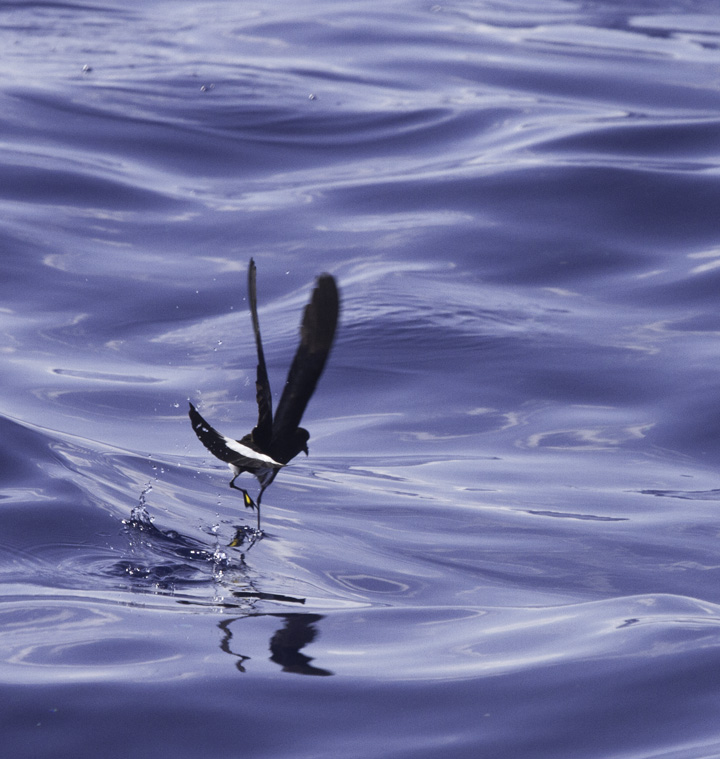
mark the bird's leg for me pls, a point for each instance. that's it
(248, 503)
(247, 500)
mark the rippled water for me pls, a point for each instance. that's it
(505, 540)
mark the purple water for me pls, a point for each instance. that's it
(504, 542)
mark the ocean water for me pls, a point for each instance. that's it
(506, 539)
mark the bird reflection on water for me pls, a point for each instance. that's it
(169, 562)
(298, 631)
(276, 440)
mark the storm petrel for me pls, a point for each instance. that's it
(274, 441)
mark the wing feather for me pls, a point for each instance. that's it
(210, 437)
(317, 331)
(262, 432)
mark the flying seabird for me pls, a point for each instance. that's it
(275, 441)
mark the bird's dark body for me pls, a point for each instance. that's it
(276, 440)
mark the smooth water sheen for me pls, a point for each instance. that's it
(506, 539)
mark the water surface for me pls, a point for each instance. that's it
(504, 540)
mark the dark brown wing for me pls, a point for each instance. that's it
(262, 433)
(316, 337)
(210, 437)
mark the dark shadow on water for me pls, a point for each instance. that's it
(286, 644)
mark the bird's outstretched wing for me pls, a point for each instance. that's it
(316, 337)
(210, 437)
(238, 453)
(262, 433)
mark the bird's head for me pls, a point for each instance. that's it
(301, 439)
